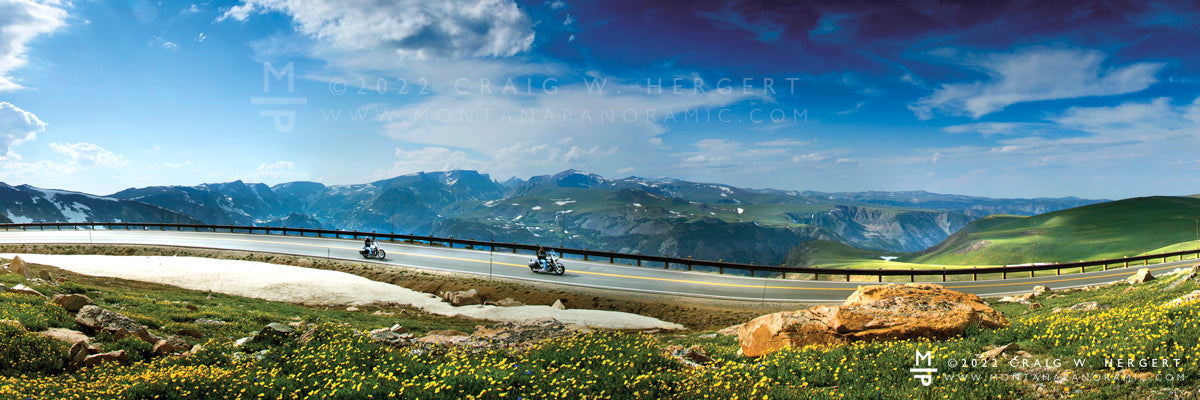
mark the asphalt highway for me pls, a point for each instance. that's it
(579, 272)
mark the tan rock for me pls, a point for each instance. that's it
(352, 309)
(1142, 276)
(45, 276)
(463, 297)
(72, 302)
(505, 302)
(100, 319)
(446, 332)
(1040, 290)
(20, 267)
(877, 312)
(27, 290)
(13, 323)
(558, 304)
(66, 335)
(118, 357)
(171, 345)
(999, 351)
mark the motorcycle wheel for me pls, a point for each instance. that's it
(382, 254)
(560, 269)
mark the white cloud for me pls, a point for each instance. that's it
(20, 22)
(428, 159)
(17, 126)
(192, 9)
(88, 155)
(1035, 75)
(555, 4)
(410, 29)
(170, 46)
(569, 20)
(276, 172)
(571, 39)
(200, 38)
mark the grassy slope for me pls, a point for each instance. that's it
(338, 363)
(1107, 230)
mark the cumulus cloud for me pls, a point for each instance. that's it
(20, 22)
(17, 126)
(88, 155)
(1035, 75)
(418, 29)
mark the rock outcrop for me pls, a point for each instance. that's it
(100, 319)
(19, 267)
(463, 297)
(27, 290)
(878, 312)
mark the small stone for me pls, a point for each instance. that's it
(45, 275)
(352, 309)
(206, 321)
(999, 351)
(189, 332)
(505, 302)
(398, 329)
(446, 332)
(558, 304)
(383, 313)
(1040, 290)
(707, 336)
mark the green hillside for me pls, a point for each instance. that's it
(831, 254)
(1106, 230)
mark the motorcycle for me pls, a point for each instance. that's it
(372, 252)
(548, 265)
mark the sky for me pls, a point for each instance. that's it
(1094, 99)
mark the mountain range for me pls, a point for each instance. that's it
(572, 208)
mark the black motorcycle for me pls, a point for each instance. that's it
(370, 250)
(548, 265)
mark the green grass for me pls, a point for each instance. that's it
(341, 363)
(1099, 231)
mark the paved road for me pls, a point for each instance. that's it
(579, 273)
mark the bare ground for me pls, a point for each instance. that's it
(700, 314)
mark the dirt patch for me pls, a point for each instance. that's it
(694, 313)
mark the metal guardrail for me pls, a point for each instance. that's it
(690, 264)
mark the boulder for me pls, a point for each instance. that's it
(558, 304)
(1187, 298)
(20, 267)
(398, 329)
(274, 331)
(352, 309)
(1040, 290)
(171, 345)
(100, 319)
(505, 302)
(66, 335)
(45, 276)
(1142, 276)
(1020, 299)
(22, 289)
(118, 356)
(463, 297)
(78, 353)
(72, 302)
(877, 312)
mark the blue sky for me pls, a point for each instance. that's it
(1003, 99)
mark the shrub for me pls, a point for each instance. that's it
(24, 352)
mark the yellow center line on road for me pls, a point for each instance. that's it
(689, 281)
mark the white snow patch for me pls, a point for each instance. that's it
(535, 208)
(888, 258)
(740, 211)
(563, 203)
(637, 204)
(518, 217)
(18, 220)
(491, 203)
(724, 195)
(305, 285)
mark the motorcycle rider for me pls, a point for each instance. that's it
(370, 245)
(541, 256)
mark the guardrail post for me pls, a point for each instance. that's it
(514, 248)
(912, 277)
(881, 275)
(639, 261)
(1081, 269)
(974, 275)
(1004, 275)
(816, 275)
(720, 269)
(1031, 273)
(943, 274)
(611, 259)
(1057, 271)
(689, 263)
